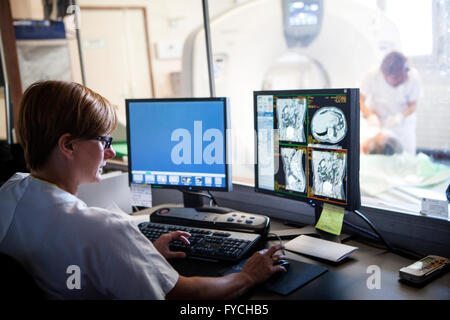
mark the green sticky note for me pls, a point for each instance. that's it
(331, 219)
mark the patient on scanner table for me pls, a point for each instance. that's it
(390, 174)
(382, 143)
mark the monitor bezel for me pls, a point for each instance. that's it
(228, 181)
(353, 187)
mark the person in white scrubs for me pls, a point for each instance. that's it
(78, 252)
(388, 99)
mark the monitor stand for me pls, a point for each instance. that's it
(194, 199)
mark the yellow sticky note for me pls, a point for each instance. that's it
(331, 219)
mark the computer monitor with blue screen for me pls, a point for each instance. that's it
(179, 143)
(308, 145)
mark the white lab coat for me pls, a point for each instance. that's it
(387, 100)
(49, 231)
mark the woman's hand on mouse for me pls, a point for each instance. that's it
(262, 264)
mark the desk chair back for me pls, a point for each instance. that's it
(15, 282)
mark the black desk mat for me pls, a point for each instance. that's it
(284, 283)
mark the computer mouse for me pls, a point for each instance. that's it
(284, 263)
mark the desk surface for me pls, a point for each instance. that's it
(344, 281)
(348, 279)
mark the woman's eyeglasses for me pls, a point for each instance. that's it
(107, 141)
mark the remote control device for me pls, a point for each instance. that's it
(424, 269)
(217, 218)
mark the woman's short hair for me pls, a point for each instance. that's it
(49, 109)
(395, 64)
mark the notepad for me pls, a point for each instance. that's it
(319, 248)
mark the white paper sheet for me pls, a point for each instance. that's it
(319, 248)
(141, 194)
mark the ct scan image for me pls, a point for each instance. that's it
(291, 115)
(328, 173)
(328, 125)
(293, 169)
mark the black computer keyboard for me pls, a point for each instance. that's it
(209, 244)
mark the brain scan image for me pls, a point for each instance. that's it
(328, 174)
(293, 169)
(291, 115)
(328, 125)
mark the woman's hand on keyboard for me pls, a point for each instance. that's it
(162, 244)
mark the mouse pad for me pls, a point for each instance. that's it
(284, 283)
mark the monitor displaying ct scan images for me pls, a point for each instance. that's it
(308, 145)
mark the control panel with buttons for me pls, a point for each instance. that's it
(217, 219)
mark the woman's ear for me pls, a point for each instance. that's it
(66, 145)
